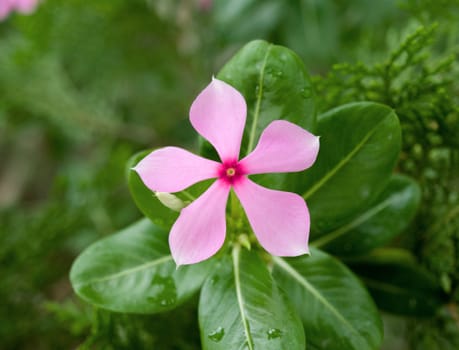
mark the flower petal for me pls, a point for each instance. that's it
(172, 169)
(283, 147)
(200, 230)
(219, 114)
(5, 8)
(26, 6)
(280, 220)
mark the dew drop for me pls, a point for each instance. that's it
(217, 334)
(162, 291)
(167, 301)
(274, 333)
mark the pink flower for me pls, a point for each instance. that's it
(280, 220)
(205, 5)
(22, 6)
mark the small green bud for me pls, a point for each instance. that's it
(244, 241)
(171, 201)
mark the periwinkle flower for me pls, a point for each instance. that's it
(280, 220)
(22, 6)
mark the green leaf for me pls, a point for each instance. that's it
(359, 146)
(335, 308)
(242, 308)
(384, 219)
(398, 284)
(133, 271)
(275, 85)
(145, 199)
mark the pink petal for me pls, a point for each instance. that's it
(218, 114)
(26, 6)
(200, 230)
(172, 169)
(5, 8)
(283, 147)
(280, 220)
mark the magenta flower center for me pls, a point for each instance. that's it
(230, 172)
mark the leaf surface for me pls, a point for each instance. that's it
(133, 271)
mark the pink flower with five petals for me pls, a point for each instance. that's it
(280, 220)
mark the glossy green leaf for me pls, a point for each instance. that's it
(359, 146)
(133, 271)
(241, 307)
(375, 226)
(398, 284)
(336, 310)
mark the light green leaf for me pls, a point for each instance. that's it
(242, 308)
(359, 146)
(336, 310)
(133, 271)
(375, 226)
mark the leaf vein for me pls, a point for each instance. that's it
(240, 299)
(320, 242)
(256, 114)
(341, 163)
(302, 281)
(122, 273)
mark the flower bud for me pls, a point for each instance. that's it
(171, 201)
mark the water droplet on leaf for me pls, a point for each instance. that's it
(274, 333)
(217, 334)
(163, 291)
(167, 301)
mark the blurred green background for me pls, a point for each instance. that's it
(85, 84)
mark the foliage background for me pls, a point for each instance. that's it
(84, 85)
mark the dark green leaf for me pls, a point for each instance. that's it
(335, 308)
(384, 219)
(242, 308)
(398, 284)
(133, 271)
(359, 146)
(241, 20)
